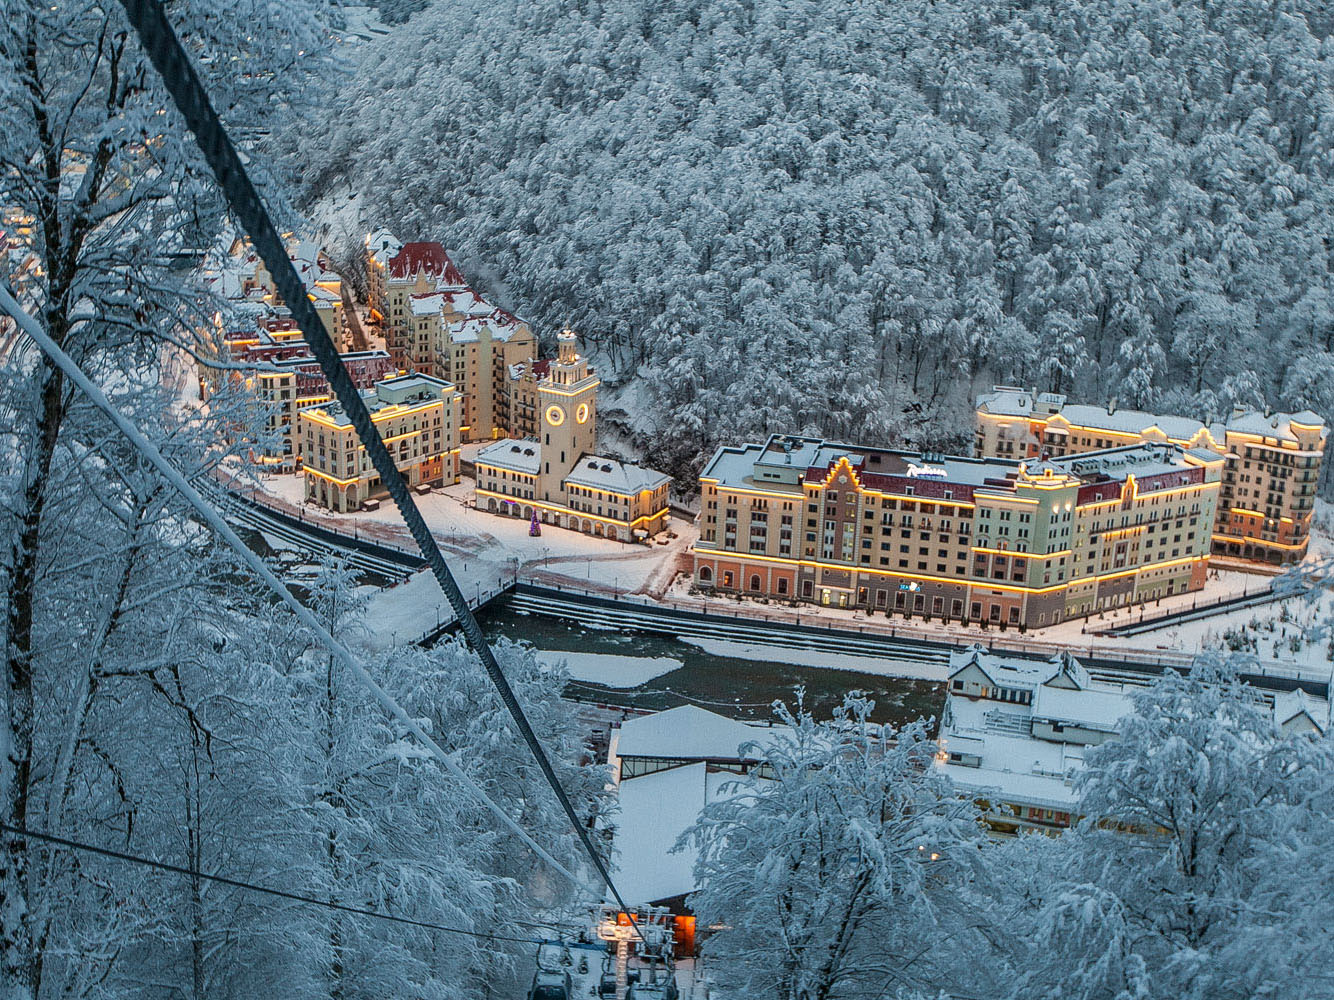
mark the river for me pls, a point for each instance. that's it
(740, 687)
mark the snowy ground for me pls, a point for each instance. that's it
(1290, 631)
(487, 552)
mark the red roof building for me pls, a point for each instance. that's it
(427, 258)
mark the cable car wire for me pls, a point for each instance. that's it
(256, 565)
(164, 49)
(77, 845)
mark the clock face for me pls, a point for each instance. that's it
(555, 416)
(581, 414)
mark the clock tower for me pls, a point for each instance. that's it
(568, 401)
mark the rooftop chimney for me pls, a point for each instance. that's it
(1111, 406)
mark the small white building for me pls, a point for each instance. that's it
(666, 768)
(1014, 732)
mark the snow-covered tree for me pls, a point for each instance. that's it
(1203, 855)
(838, 869)
(100, 183)
(782, 215)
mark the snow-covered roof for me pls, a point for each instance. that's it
(1091, 709)
(469, 331)
(1020, 787)
(390, 392)
(1291, 706)
(1004, 671)
(600, 473)
(1140, 460)
(427, 258)
(1131, 421)
(466, 302)
(1026, 769)
(512, 455)
(687, 732)
(1006, 401)
(655, 810)
(535, 369)
(426, 304)
(383, 246)
(322, 296)
(1276, 425)
(736, 466)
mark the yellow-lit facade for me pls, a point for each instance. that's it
(1272, 461)
(296, 383)
(417, 417)
(557, 475)
(434, 323)
(1010, 543)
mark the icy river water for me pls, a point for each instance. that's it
(666, 672)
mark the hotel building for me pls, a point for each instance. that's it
(1007, 542)
(560, 475)
(520, 411)
(418, 419)
(1015, 732)
(381, 247)
(288, 378)
(243, 278)
(1272, 461)
(434, 323)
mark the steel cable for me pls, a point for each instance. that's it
(164, 49)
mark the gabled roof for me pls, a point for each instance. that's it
(1289, 705)
(512, 455)
(620, 477)
(1002, 671)
(383, 246)
(426, 258)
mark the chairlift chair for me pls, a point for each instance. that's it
(551, 984)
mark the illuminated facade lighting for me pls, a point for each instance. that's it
(1271, 461)
(1015, 543)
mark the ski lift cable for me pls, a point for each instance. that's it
(258, 567)
(164, 49)
(78, 845)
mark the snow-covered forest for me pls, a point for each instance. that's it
(157, 702)
(854, 873)
(771, 215)
(788, 215)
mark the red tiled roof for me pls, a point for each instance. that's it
(428, 257)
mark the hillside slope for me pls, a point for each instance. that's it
(790, 215)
